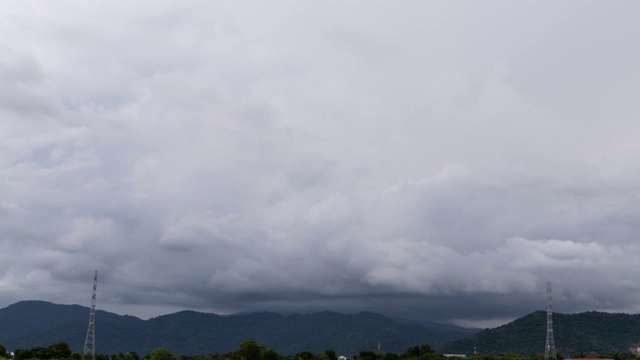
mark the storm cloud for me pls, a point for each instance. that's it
(438, 160)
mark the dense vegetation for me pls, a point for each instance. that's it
(37, 323)
(588, 332)
(252, 350)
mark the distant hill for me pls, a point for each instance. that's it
(37, 323)
(29, 324)
(573, 333)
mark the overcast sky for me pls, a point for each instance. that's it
(424, 159)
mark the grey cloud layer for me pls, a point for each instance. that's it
(406, 157)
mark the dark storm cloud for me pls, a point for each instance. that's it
(437, 160)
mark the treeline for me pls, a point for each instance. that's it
(252, 350)
(247, 350)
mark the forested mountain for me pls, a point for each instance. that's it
(36, 323)
(573, 333)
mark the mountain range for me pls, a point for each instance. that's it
(28, 324)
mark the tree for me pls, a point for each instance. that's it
(213, 356)
(391, 356)
(367, 355)
(411, 352)
(250, 350)
(131, 355)
(22, 354)
(270, 354)
(331, 354)
(59, 350)
(3, 351)
(40, 353)
(425, 349)
(305, 355)
(162, 353)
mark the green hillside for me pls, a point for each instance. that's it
(573, 333)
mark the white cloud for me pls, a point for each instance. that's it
(295, 156)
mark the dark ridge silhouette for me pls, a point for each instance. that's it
(29, 324)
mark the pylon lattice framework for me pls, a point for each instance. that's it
(90, 341)
(550, 348)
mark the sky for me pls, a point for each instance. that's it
(437, 160)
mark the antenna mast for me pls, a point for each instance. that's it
(90, 341)
(550, 348)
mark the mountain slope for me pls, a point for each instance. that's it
(36, 323)
(573, 333)
(39, 323)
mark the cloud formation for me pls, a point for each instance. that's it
(422, 159)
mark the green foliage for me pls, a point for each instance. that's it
(425, 349)
(271, 354)
(391, 356)
(330, 354)
(367, 355)
(59, 350)
(250, 350)
(305, 355)
(411, 352)
(131, 355)
(3, 351)
(162, 353)
(506, 357)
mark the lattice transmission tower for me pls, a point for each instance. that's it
(550, 348)
(90, 341)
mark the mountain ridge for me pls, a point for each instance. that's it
(33, 323)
